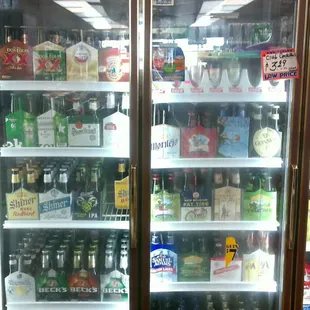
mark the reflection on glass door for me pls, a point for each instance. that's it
(219, 138)
(64, 80)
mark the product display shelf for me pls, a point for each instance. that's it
(63, 305)
(214, 287)
(61, 224)
(215, 226)
(64, 86)
(217, 163)
(62, 152)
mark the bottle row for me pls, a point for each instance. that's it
(87, 120)
(62, 189)
(215, 258)
(75, 60)
(68, 120)
(210, 301)
(210, 131)
(58, 266)
(215, 194)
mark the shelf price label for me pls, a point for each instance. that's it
(279, 64)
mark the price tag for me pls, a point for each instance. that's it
(279, 64)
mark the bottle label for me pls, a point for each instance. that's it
(46, 136)
(163, 265)
(198, 142)
(258, 267)
(49, 62)
(82, 62)
(22, 205)
(227, 204)
(165, 206)
(267, 142)
(60, 130)
(21, 129)
(55, 205)
(260, 206)
(220, 273)
(16, 61)
(233, 136)
(121, 193)
(84, 286)
(52, 286)
(165, 142)
(20, 287)
(83, 132)
(116, 132)
(115, 286)
(194, 267)
(87, 206)
(194, 207)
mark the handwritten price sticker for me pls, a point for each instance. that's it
(279, 64)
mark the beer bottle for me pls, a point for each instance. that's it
(188, 176)
(45, 262)
(121, 171)
(123, 264)
(235, 178)
(48, 182)
(192, 120)
(254, 183)
(218, 179)
(61, 262)
(93, 185)
(108, 262)
(170, 187)
(255, 127)
(267, 183)
(269, 114)
(170, 117)
(205, 183)
(156, 188)
(27, 264)
(15, 180)
(31, 185)
(93, 106)
(77, 108)
(92, 263)
(13, 265)
(62, 184)
(77, 261)
(205, 120)
(275, 118)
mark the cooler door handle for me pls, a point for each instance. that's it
(133, 207)
(293, 203)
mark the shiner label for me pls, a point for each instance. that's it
(22, 205)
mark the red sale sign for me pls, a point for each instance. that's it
(279, 64)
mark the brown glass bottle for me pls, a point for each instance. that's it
(15, 180)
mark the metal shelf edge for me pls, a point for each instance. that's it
(65, 224)
(214, 287)
(215, 226)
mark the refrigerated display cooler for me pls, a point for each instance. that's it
(150, 157)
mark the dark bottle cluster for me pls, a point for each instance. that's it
(211, 301)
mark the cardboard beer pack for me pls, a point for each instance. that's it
(22, 205)
(21, 129)
(260, 206)
(220, 273)
(82, 131)
(115, 131)
(121, 193)
(165, 142)
(258, 266)
(168, 63)
(87, 205)
(233, 136)
(55, 205)
(16, 61)
(198, 142)
(227, 203)
(20, 287)
(49, 62)
(113, 65)
(82, 62)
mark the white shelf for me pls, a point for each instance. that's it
(217, 163)
(63, 305)
(59, 224)
(214, 287)
(215, 226)
(63, 86)
(61, 152)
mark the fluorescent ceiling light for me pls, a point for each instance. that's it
(70, 4)
(98, 22)
(87, 11)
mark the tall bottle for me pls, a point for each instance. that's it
(62, 184)
(31, 185)
(13, 265)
